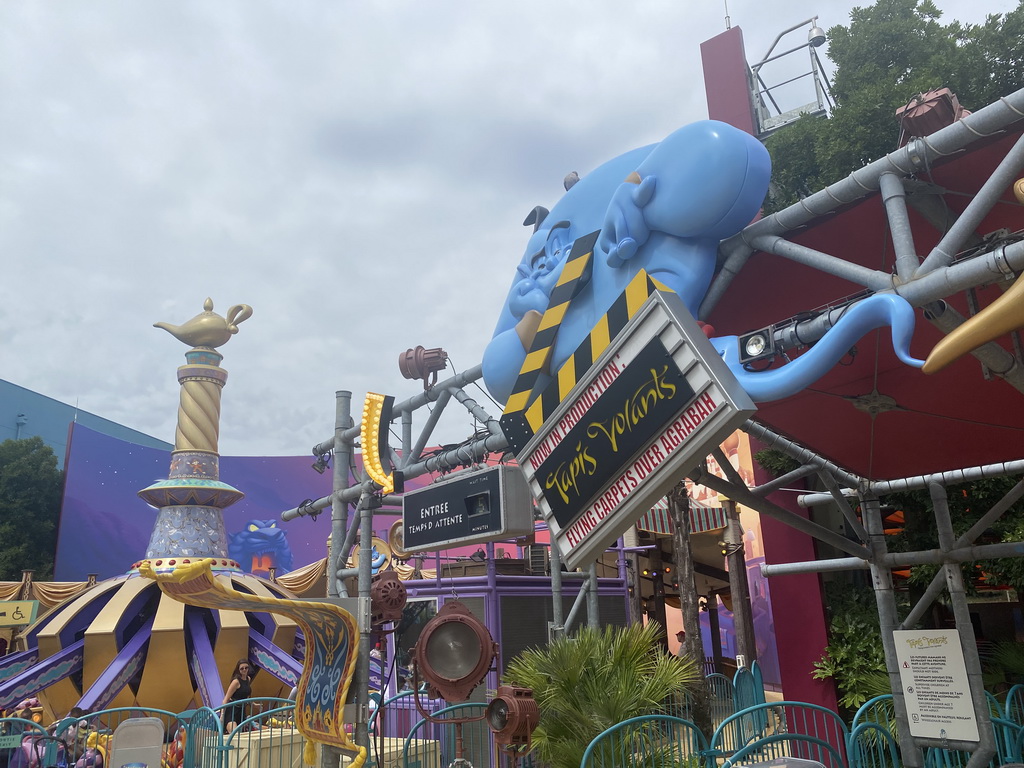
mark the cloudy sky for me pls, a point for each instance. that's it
(357, 172)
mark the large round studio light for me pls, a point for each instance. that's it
(512, 715)
(454, 652)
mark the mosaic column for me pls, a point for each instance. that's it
(190, 500)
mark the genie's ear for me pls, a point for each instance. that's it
(536, 217)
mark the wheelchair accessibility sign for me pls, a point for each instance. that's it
(16, 613)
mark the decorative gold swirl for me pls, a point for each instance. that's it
(1003, 315)
(198, 416)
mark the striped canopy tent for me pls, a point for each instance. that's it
(702, 518)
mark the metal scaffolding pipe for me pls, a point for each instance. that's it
(581, 600)
(952, 477)
(844, 506)
(473, 451)
(888, 620)
(894, 197)
(339, 478)
(783, 480)
(341, 571)
(997, 511)
(957, 555)
(900, 559)
(1002, 177)
(361, 678)
(815, 566)
(808, 500)
(996, 265)
(917, 154)
(805, 456)
(457, 381)
(931, 594)
(958, 601)
(479, 413)
(557, 618)
(743, 496)
(428, 427)
(833, 265)
(593, 610)
(1001, 263)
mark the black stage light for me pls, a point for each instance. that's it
(757, 345)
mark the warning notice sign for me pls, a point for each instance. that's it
(935, 687)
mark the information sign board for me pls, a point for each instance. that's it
(935, 686)
(657, 401)
(16, 613)
(472, 508)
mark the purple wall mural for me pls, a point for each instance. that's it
(105, 526)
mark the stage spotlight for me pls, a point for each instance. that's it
(387, 598)
(512, 715)
(454, 652)
(422, 363)
(323, 461)
(757, 345)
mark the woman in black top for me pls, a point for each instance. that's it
(239, 689)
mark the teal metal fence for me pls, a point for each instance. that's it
(401, 738)
(782, 729)
(655, 741)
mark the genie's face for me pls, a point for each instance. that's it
(538, 272)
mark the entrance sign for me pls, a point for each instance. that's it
(489, 505)
(935, 687)
(655, 403)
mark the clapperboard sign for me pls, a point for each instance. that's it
(654, 404)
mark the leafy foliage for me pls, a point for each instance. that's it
(776, 462)
(890, 52)
(593, 680)
(967, 503)
(1007, 571)
(1003, 665)
(30, 491)
(854, 657)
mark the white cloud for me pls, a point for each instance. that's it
(357, 172)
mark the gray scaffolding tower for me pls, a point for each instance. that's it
(944, 272)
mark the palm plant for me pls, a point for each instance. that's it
(599, 677)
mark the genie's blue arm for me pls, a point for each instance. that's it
(873, 312)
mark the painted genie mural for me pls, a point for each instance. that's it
(663, 208)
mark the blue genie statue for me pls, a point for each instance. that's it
(663, 208)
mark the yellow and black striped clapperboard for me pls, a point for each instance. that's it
(525, 411)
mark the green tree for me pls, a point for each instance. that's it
(890, 52)
(30, 492)
(594, 680)
(967, 503)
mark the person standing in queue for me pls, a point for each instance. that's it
(239, 689)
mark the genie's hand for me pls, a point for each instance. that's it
(625, 229)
